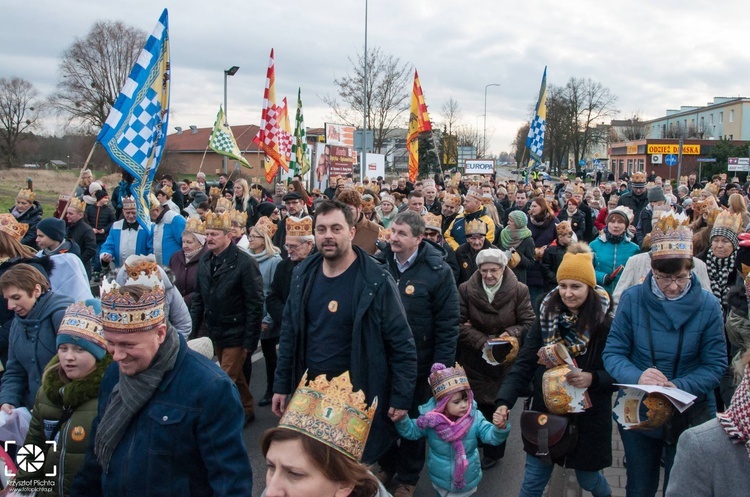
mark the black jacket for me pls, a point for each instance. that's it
(83, 235)
(430, 298)
(577, 222)
(588, 233)
(553, 256)
(383, 355)
(467, 263)
(31, 216)
(280, 286)
(101, 218)
(230, 300)
(636, 203)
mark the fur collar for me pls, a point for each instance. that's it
(74, 393)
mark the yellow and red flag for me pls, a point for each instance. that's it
(419, 122)
(269, 133)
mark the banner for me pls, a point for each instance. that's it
(375, 166)
(479, 166)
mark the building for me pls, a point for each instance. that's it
(725, 117)
(187, 151)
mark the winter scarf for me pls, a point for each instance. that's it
(613, 238)
(542, 221)
(718, 272)
(190, 255)
(513, 238)
(130, 395)
(261, 256)
(451, 432)
(736, 419)
(560, 326)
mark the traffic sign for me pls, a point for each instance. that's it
(597, 162)
(709, 159)
(582, 162)
(670, 159)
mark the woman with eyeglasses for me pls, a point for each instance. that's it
(667, 331)
(493, 304)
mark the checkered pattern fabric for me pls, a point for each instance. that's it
(299, 163)
(285, 136)
(222, 140)
(269, 133)
(136, 129)
(535, 141)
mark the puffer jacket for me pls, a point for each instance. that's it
(430, 299)
(703, 358)
(543, 235)
(441, 457)
(230, 300)
(82, 396)
(32, 345)
(608, 256)
(551, 260)
(636, 202)
(31, 216)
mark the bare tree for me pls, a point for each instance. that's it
(518, 146)
(469, 136)
(19, 113)
(452, 115)
(590, 102)
(94, 69)
(557, 139)
(632, 129)
(388, 92)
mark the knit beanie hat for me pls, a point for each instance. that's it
(82, 326)
(656, 194)
(266, 209)
(624, 212)
(199, 198)
(52, 227)
(520, 219)
(578, 267)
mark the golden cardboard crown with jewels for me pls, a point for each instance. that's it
(447, 381)
(194, 185)
(195, 225)
(257, 193)
(299, 227)
(671, 237)
(476, 227)
(77, 204)
(729, 221)
(128, 202)
(143, 270)
(167, 190)
(11, 227)
(122, 313)
(332, 413)
(216, 221)
(433, 221)
(26, 194)
(83, 322)
(384, 234)
(214, 191)
(368, 203)
(224, 203)
(473, 192)
(267, 226)
(638, 178)
(712, 189)
(238, 217)
(452, 200)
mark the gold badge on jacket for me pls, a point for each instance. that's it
(78, 433)
(333, 306)
(409, 290)
(465, 265)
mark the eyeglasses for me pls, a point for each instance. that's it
(291, 248)
(477, 237)
(669, 280)
(490, 272)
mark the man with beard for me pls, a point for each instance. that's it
(366, 231)
(476, 240)
(636, 199)
(344, 314)
(451, 206)
(430, 299)
(455, 235)
(295, 207)
(431, 203)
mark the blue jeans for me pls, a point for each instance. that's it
(643, 454)
(537, 475)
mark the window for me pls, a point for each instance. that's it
(641, 164)
(711, 119)
(721, 117)
(731, 116)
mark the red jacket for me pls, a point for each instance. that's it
(601, 219)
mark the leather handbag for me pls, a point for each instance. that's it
(548, 436)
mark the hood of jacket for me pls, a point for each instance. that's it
(46, 305)
(44, 264)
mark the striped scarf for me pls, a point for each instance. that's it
(736, 419)
(560, 325)
(718, 272)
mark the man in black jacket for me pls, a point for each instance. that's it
(636, 198)
(81, 233)
(430, 298)
(229, 297)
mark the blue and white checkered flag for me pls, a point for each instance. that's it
(535, 140)
(136, 129)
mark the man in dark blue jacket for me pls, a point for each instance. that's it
(169, 420)
(344, 314)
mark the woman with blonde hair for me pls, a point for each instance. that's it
(738, 205)
(245, 202)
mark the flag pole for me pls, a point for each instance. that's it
(200, 168)
(80, 175)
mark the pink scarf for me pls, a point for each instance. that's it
(736, 419)
(451, 432)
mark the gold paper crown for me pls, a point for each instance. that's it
(385, 234)
(638, 178)
(473, 192)
(512, 188)
(299, 227)
(77, 204)
(712, 189)
(216, 221)
(368, 203)
(224, 203)
(195, 225)
(83, 322)
(238, 217)
(166, 190)
(433, 222)
(153, 202)
(683, 179)
(214, 191)
(267, 226)
(128, 202)
(727, 220)
(360, 188)
(577, 190)
(123, 314)
(10, 226)
(194, 185)
(453, 200)
(447, 381)
(143, 270)
(554, 391)
(486, 199)
(257, 193)
(332, 413)
(672, 238)
(476, 227)
(26, 194)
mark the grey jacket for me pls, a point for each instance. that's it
(709, 464)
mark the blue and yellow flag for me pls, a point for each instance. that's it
(135, 132)
(535, 140)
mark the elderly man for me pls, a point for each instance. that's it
(157, 431)
(81, 233)
(295, 207)
(431, 203)
(229, 298)
(450, 210)
(126, 237)
(344, 314)
(455, 235)
(166, 231)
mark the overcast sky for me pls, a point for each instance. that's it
(653, 55)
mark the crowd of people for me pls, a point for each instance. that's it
(418, 313)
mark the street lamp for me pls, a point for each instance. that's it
(484, 139)
(363, 165)
(227, 72)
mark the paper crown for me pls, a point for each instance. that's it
(638, 179)
(195, 225)
(166, 190)
(122, 313)
(658, 411)
(299, 227)
(672, 238)
(224, 203)
(360, 188)
(563, 228)
(11, 227)
(194, 185)
(512, 188)
(388, 198)
(214, 191)
(216, 221)
(452, 200)
(143, 270)
(428, 183)
(267, 226)
(128, 203)
(237, 217)
(473, 192)
(385, 234)
(476, 227)
(256, 193)
(577, 190)
(368, 203)
(486, 199)
(433, 222)
(77, 204)
(82, 321)
(729, 221)
(26, 194)
(446, 381)
(331, 412)
(683, 180)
